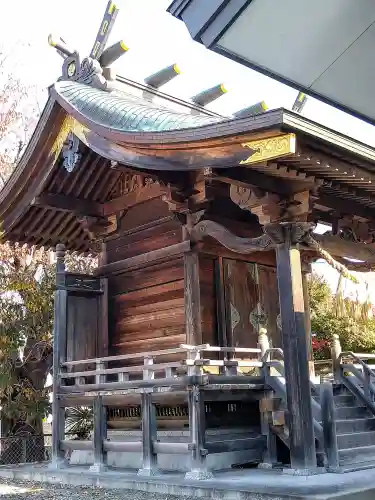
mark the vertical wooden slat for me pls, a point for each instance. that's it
(297, 377)
(192, 299)
(59, 355)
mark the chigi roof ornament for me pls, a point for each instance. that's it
(93, 70)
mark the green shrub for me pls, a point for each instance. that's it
(333, 315)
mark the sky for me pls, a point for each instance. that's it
(155, 39)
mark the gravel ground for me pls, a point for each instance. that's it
(17, 490)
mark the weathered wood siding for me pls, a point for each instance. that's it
(83, 328)
(146, 306)
(208, 299)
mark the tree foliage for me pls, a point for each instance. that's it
(27, 277)
(332, 314)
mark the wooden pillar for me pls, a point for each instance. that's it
(149, 429)
(297, 377)
(193, 322)
(59, 355)
(306, 270)
(100, 433)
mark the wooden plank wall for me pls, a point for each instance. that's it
(146, 306)
(83, 328)
(208, 299)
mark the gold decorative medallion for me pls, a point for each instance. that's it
(270, 148)
(69, 125)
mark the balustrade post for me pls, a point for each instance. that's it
(367, 383)
(336, 360)
(329, 426)
(100, 434)
(59, 350)
(197, 425)
(100, 425)
(149, 428)
(266, 404)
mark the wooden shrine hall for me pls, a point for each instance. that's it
(192, 338)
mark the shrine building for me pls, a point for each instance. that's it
(192, 338)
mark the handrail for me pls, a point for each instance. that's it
(272, 350)
(368, 373)
(184, 348)
(280, 390)
(211, 348)
(365, 393)
(358, 359)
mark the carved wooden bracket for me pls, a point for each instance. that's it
(270, 207)
(274, 234)
(98, 227)
(191, 195)
(354, 230)
(229, 240)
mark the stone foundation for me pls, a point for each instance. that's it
(174, 462)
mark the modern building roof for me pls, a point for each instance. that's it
(322, 48)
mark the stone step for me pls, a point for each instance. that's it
(350, 456)
(351, 412)
(355, 440)
(355, 425)
(341, 400)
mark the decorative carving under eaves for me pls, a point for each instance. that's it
(127, 183)
(70, 152)
(230, 241)
(271, 147)
(97, 228)
(270, 207)
(350, 229)
(292, 232)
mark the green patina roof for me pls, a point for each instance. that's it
(126, 112)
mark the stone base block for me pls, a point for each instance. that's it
(167, 462)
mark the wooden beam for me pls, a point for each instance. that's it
(336, 246)
(345, 206)
(249, 177)
(143, 260)
(229, 240)
(128, 200)
(68, 204)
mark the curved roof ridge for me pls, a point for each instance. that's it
(126, 113)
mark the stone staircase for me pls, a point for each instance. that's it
(355, 428)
